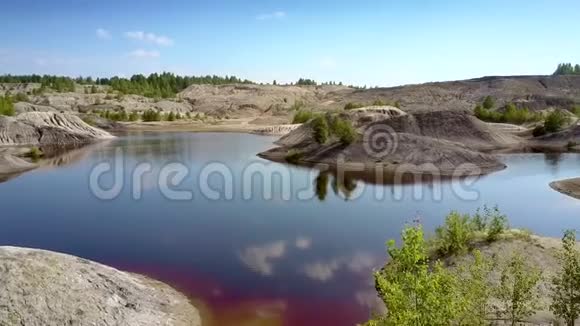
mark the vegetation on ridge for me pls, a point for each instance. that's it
(567, 69)
(418, 289)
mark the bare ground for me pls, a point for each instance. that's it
(570, 187)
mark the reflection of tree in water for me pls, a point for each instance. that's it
(345, 185)
(553, 159)
(321, 185)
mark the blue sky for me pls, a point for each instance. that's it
(374, 43)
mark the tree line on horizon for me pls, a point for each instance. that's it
(567, 69)
(155, 85)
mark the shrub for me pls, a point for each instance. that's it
(6, 106)
(89, 120)
(539, 131)
(344, 130)
(517, 291)
(320, 129)
(566, 283)
(576, 110)
(351, 106)
(555, 121)
(171, 116)
(34, 154)
(297, 105)
(455, 235)
(20, 97)
(512, 114)
(498, 224)
(294, 156)
(380, 103)
(134, 116)
(302, 116)
(151, 115)
(488, 103)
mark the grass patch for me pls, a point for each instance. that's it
(294, 156)
(511, 114)
(34, 154)
(302, 116)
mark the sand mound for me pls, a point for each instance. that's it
(453, 126)
(40, 287)
(410, 143)
(47, 128)
(570, 187)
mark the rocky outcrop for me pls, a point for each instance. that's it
(47, 128)
(39, 287)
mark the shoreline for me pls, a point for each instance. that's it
(569, 187)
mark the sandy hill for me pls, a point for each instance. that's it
(408, 143)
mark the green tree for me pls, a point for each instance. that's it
(320, 129)
(517, 291)
(414, 292)
(488, 103)
(475, 291)
(566, 284)
(171, 116)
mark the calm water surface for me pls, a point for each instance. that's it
(275, 260)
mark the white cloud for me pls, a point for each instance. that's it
(272, 15)
(144, 54)
(259, 258)
(103, 34)
(150, 38)
(323, 271)
(303, 243)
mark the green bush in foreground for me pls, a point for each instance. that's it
(455, 235)
(517, 291)
(419, 291)
(459, 232)
(566, 284)
(413, 292)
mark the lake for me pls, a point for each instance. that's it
(297, 249)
